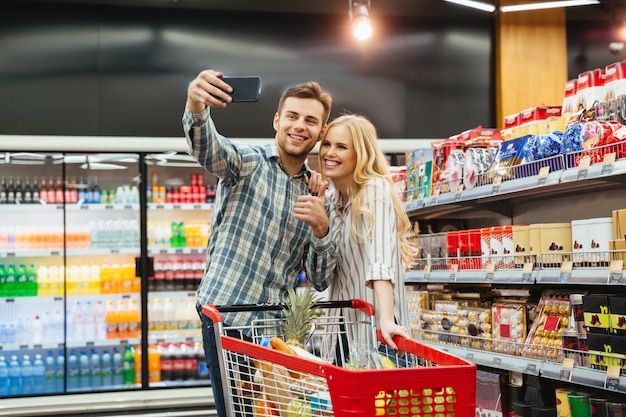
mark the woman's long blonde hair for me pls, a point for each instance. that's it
(372, 163)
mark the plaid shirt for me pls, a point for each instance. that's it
(256, 247)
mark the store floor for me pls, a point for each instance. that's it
(178, 402)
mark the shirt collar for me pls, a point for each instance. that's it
(272, 153)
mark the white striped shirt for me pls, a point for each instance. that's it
(359, 261)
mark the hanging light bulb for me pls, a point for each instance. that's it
(359, 15)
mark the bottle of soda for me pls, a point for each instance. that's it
(128, 366)
(3, 281)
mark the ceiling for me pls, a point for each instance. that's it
(398, 8)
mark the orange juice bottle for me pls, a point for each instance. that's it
(137, 357)
(110, 318)
(116, 279)
(106, 286)
(134, 318)
(154, 364)
(123, 319)
(128, 274)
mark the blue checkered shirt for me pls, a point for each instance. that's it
(256, 247)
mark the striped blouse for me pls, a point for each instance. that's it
(362, 261)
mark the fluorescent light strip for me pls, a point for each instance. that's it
(475, 4)
(547, 5)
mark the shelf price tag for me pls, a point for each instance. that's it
(490, 268)
(497, 362)
(583, 167)
(615, 271)
(566, 369)
(612, 378)
(543, 175)
(459, 192)
(470, 356)
(566, 271)
(454, 269)
(497, 181)
(527, 272)
(531, 369)
(607, 163)
(427, 269)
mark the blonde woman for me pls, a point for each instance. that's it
(367, 223)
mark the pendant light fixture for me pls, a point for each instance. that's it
(359, 16)
(539, 5)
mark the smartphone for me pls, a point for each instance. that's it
(244, 88)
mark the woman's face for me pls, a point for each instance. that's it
(338, 156)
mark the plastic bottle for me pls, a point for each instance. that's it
(89, 322)
(94, 278)
(117, 280)
(73, 279)
(4, 377)
(37, 332)
(73, 372)
(84, 284)
(128, 366)
(107, 368)
(137, 363)
(189, 358)
(50, 373)
(169, 316)
(134, 319)
(166, 361)
(106, 286)
(27, 376)
(78, 323)
(122, 319)
(43, 284)
(39, 375)
(154, 364)
(15, 377)
(203, 369)
(54, 280)
(58, 326)
(100, 317)
(95, 367)
(84, 370)
(46, 326)
(118, 368)
(10, 280)
(110, 317)
(31, 280)
(3, 281)
(60, 380)
(21, 284)
(157, 318)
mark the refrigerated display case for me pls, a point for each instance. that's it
(100, 254)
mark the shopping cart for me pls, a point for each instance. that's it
(261, 381)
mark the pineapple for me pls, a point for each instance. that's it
(299, 313)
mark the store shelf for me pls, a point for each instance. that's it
(503, 276)
(177, 251)
(538, 367)
(181, 206)
(490, 198)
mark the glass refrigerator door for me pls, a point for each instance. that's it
(70, 308)
(103, 289)
(180, 196)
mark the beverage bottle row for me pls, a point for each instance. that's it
(96, 234)
(178, 234)
(176, 274)
(18, 280)
(195, 192)
(26, 324)
(92, 371)
(22, 377)
(182, 361)
(173, 317)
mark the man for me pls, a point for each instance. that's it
(266, 224)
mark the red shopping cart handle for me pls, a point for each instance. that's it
(214, 311)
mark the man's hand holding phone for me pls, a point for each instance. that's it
(211, 88)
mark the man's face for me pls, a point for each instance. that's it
(298, 126)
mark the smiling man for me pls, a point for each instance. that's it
(269, 219)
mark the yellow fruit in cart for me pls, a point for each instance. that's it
(299, 407)
(386, 362)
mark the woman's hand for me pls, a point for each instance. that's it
(390, 329)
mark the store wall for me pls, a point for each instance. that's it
(71, 70)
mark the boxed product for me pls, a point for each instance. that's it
(596, 313)
(590, 240)
(600, 351)
(590, 88)
(619, 224)
(425, 326)
(562, 404)
(446, 321)
(614, 80)
(521, 244)
(509, 155)
(619, 248)
(474, 327)
(511, 123)
(544, 338)
(570, 105)
(555, 239)
(508, 328)
(617, 315)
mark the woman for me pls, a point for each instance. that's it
(367, 223)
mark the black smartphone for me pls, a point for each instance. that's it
(244, 88)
